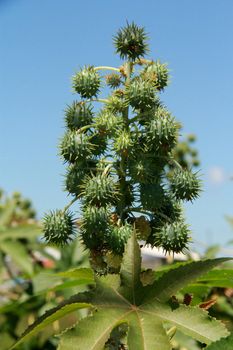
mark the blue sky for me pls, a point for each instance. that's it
(43, 42)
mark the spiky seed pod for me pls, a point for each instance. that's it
(152, 196)
(158, 165)
(78, 115)
(142, 227)
(141, 170)
(123, 142)
(172, 237)
(74, 177)
(59, 227)
(116, 104)
(157, 73)
(113, 80)
(140, 146)
(107, 123)
(127, 194)
(144, 114)
(99, 143)
(162, 131)
(99, 190)
(87, 82)
(94, 226)
(185, 185)
(95, 220)
(91, 241)
(117, 237)
(144, 165)
(171, 210)
(131, 42)
(75, 146)
(141, 94)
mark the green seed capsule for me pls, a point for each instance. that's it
(59, 227)
(87, 82)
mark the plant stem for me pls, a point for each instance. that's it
(102, 100)
(164, 216)
(139, 210)
(176, 164)
(107, 68)
(106, 170)
(128, 70)
(86, 127)
(69, 204)
(123, 165)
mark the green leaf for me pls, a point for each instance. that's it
(78, 273)
(6, 340)
(131, 269)
(198, 291)
(19, 255)
(111, 280)
(223, 344)
(45, 281)
(182, 341)
(218, 278)
(23, 231)
(191, 320)
(146, 332)
(49, 317)
(115, 300)
(7, 212)
(175, 279)
(92, 332)
(62, 280)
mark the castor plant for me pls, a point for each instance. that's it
(123, 173)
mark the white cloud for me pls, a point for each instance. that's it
(217, 175)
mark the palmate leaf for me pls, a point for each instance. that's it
(146, 332)
(175, 279)
(192, 321)
(100, 325)
(121, 299)
(218, 278)
(79, 301)
(130, 271)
